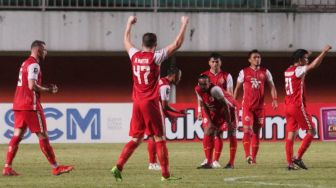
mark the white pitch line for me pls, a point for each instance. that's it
(237, 180)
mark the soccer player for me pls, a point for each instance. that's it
(28, 112)
(253, 80)
(173, 78)
(216, 103)
(295, 105)
(146, 116)
(223, 80)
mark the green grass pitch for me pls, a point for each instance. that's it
(93, 163)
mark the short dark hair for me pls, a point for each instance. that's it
(215, 56)
(173, 70)
(254, 51)
(203, 76)
(298, 54)
(37, 43)
(149, 40)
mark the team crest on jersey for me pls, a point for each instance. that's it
(35, 70)
(247, 118)
(262, 76)
(255, 83)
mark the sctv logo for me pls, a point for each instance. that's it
(76, 123)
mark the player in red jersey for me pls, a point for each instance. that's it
(28, 112)
(295, 105)
(147, 116)
(253, 80)
(173, 78)
(223, 80)
(216, 103)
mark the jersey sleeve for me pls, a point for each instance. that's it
(300, 71)
(160, 56)
(240, 78)
(269, 76)
(165, 92)
(33, 71)
(229, 82)
(217, 93)
(132, 51)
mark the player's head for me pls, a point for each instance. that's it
(175, 74)
(300, 56)
(254, 57)
(149, 40)
(39, 48)
(215, 61)
(204, 82)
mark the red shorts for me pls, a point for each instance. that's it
(255, 118)
(219, 121)
(146, 119)
(297, 117)
(34, 120)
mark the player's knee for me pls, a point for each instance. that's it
(312, 132)
(247, 130)
(209, 132)
(158, 138)
(232, 132)
(151, 138)
(137, 140)
(19, 132)
(42, 135)
(291, 135)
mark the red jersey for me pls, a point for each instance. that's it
(146, 72)
(254, 86)
(221, 79)
(26, 99)
(211, 98)
(295, 87)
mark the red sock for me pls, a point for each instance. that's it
(247, 143)
(255, 145)
(233, 149)
(151, 151)
(218, 148)
(48, 151)
(129, 148)
(289, 151)
(208, 145)
(162, 153)
(304, 145)
(13, 146)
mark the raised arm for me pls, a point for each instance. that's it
(317, 61)
(171, 48)
(127, 34)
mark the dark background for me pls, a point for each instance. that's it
(107, 78)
